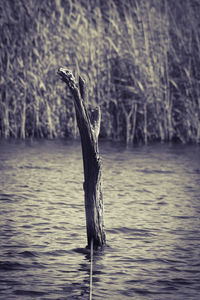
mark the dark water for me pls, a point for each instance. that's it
(152, 219)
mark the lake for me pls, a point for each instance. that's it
(152, 221)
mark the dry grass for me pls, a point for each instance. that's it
(141, 60)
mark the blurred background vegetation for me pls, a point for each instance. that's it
(140, 59)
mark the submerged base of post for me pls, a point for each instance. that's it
(94, 203)
(89, 127)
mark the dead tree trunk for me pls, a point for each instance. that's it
(89, 126)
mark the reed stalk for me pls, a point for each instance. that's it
(23, 121)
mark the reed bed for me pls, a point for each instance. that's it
(141, 60)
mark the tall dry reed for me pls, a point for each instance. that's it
(141, 60)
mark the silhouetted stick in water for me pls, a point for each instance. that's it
(89, 127)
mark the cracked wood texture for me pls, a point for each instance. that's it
(89, 127)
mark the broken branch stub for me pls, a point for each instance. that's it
(89, 127)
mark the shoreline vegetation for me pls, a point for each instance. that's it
(140, 60)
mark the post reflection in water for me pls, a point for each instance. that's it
(152, 212)
(85, 269)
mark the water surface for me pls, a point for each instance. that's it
(152, 220)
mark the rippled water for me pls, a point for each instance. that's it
(152, 219)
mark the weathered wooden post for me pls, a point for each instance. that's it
(89, 126)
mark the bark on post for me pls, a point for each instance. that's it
(89, 126)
